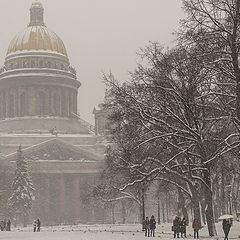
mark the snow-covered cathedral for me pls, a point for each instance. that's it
(38, 92)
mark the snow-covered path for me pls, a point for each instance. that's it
(107, 232)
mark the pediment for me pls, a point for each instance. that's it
(57, 150)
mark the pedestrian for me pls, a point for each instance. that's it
(4, 225)
(34, 225)
(196, 227)
(176, 227)
(152, 223)
(183, 227)
(146, 226)
(226, 225)
(8, 225)
(1, 225)
(38, 225)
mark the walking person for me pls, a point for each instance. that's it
(226, 225)
(196, 227)
(183, 228)
(176, 227)
(38, 225)
(8, 225)
(152, 223)
(146, 225)
(1, 225)
(4, 225)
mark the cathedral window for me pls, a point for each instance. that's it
(33, 64)
(25, 63)
(48, 64)
(16, 65)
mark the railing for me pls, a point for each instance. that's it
(39, 71)
(86, 124)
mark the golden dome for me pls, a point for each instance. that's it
(37, 38)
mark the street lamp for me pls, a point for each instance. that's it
(143, 204)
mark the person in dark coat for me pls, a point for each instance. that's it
(152, 223)
(196, 227)
(1, 225)
(146, 225)
(226, 225)
(8, 228)
(183, 227)
(38, 225)
(4, 225)
(176, 227)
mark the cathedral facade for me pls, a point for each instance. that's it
(38, 92)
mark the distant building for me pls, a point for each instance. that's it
(100, 114)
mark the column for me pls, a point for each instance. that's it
(3, 104)
(62, 198)
(75, 101)
(16, 100)
(52, 110)
(76, 198)
(48, 101)
(47, 213)
(1, 115)
(7, 102)
(71, 103)
(32, 101)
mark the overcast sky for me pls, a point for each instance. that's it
(100, 35)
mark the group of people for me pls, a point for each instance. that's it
(179, 227)
(5, 225)
(36, 225)
(149, 226)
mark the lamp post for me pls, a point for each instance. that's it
(143, 205)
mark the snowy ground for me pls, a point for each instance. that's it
(107, 232)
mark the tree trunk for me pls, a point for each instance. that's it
(181, 204)
(163, 212)
(167, 206)
(103, 215)
(24, 219)
(143, 207)
(209, 204)
(113, 213)
(123, 212)
(223, 202)
(158, 217)
(203, 207)
(237, 194)
(196, 206)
